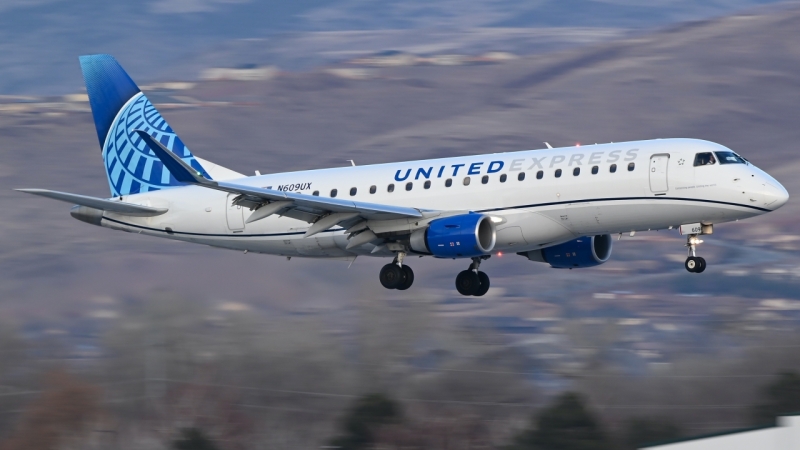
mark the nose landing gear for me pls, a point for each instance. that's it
(472, 281)
(395, 275)
(694, 263)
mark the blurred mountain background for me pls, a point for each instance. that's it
(155, 340)
(40, 39)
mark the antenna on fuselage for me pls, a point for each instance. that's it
(352, 163)
(548, 145)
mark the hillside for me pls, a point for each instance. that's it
(40, 39)
(732, 80)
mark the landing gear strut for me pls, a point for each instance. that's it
(694, 263)
(395, 275)
(472, 281)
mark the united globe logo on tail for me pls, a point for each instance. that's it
(131, 166)
(119, 108)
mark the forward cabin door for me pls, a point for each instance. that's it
(235, 214)
(658, 173)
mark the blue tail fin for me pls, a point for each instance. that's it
(119, 108)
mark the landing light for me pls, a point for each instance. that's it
(496, 219)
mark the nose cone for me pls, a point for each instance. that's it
(775, 195)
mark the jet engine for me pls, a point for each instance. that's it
(462, 236)
(586, 251)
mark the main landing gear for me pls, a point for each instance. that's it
(694, 263)
(472, 281)
(396, 275)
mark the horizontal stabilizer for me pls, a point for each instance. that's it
(128, 209)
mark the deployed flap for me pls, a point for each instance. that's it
(128, 209)
(187, 174)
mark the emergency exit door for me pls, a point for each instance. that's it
(658, 173)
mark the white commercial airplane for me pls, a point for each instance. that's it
(559, 206)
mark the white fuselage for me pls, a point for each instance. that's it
(664, 189)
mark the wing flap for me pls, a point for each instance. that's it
(128, 209)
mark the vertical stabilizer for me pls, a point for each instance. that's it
(119, 108)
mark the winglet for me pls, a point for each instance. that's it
(179, 169)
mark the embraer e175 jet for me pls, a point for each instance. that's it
(558, 206)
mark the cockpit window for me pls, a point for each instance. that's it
(704, 159)
(730, 158)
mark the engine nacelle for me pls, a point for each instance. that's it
(587, 251)
(462, 236)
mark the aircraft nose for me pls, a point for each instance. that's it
(776, 195)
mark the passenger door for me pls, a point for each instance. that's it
(235, 214)
(658, 173)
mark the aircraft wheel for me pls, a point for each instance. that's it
(409, 279)
(484, 286)
(692, 264)
(467, 282)
(392, 276)
(701, 266)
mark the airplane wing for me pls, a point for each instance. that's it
(128, 209)
(322, 213)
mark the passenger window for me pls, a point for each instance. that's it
(427, 184)
(448, 182)
(521, 176)
(730, 158)
(503, 178)
(558, 173)
(353, 191)
(466, 181)
(595, 169)
(631, 166)
(576, 171)
(390, 188)
(334, 192)
(612, 168)
(409, 185)
(485, 179)
(373, 189)
(704, 159)
(540, 174)
(315, 193)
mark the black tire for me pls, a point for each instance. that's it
(701, 265)
(392, 276)
(467, 282)
(409, 280)
(691, 264)
(484, 286)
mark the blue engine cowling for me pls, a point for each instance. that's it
(462, 236)
(587, 251)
